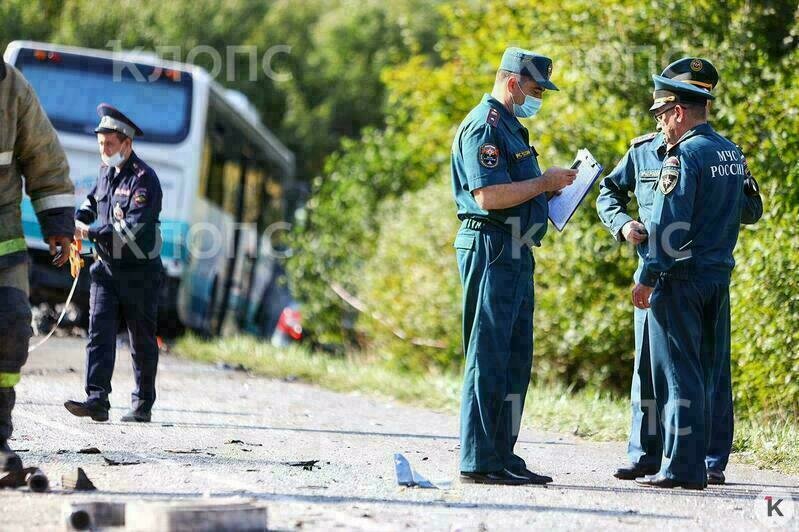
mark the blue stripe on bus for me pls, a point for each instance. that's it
(173, 231)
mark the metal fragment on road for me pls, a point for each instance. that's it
(33, 477)
(406, 476)
(307, 465)
(93, 515)
(90, 450)
(112, 462)
(77, 481)
(210, 517)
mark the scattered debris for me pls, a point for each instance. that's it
(231, 367)
(307, 465)
(406, 476)
(197, 517)
(94, 515)
(33, 477)
(241, 442)
(112, 462)
(167, 425)
(61, 451)
(183, 451)
(77, 481)
(89, 450)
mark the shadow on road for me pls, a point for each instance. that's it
(349, 499)
(717, 492)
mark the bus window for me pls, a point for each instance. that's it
(231, 173)
(253, 194)
(70, 86)
(214, 177)
(273, 202)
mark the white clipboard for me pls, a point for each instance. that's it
(562, 207)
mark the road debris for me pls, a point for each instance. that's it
(77, 481)
(242, 442)
(231, 367)
(306, 465)
(94, 515)
(204, 517)
(33, 477)
(183, 451)
(406, 476)
(90, 450)
(112, 462)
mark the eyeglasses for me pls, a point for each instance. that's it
(660, 115)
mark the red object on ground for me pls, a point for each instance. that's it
(290, 322)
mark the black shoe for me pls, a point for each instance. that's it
(658, 481)
(9, 461)
(87, 409)
(634, 471)
(503, 477)
(716, 476)
(136, 416)
(534, 478)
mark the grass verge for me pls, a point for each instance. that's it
(768, 444)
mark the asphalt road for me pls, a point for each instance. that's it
(185, 454)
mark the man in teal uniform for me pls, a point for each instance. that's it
(637, 173)
(684, 281)
(501, 196)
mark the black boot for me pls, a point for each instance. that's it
(9, 461)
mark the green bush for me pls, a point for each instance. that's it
(765, 319)
(411, 283)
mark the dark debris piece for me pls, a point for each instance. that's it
(306, 465)
(77, 481)
(89, 450)
(112, 462)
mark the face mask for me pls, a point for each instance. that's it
(113, 160)
(529, 108)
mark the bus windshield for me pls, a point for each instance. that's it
(71, 86)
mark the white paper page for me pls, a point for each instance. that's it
(562, 207)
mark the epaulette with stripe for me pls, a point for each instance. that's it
(493, 117)
(140, 170)
(643, 138)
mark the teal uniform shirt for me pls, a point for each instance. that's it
(688, 236)
(637, 172)
(492, 147)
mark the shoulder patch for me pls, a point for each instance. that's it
(139, 169)
(643, 138)
(669, 175)
(488, 155)
(493, 117)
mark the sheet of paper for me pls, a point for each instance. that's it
(561, 208)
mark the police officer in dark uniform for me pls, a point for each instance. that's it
(684, 281)
(637, 173)
(123, 210)
(500, 194)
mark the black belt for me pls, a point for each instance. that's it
(483, 224)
